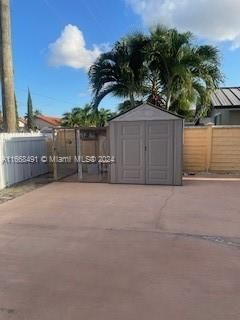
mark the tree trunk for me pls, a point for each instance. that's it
(8, 100)
(132, 101)
(168, 102)
(154, 92)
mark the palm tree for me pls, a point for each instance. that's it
(102, 116)
(120, 71)
(166, 66)
(69, 119)
(86, 117)
(126, 105)
(181, 73)
(81, 117)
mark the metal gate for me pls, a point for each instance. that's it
(76, 154)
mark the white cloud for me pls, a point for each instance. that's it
(217, 20)
(70, 50)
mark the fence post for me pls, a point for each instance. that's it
(209, 145)
(54, 137)
(2, 183)
(78, 153)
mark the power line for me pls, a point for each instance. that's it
(23, 105)
(48, 97)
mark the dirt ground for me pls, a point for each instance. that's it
(23, 187)
(99, 251)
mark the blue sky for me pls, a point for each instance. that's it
(57, 78)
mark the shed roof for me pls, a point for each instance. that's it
(146, 111)
(226, 97)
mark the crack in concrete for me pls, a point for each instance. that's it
(165, 203)
(220, 240)
(227, 241)
(223, 240)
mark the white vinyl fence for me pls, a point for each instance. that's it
(20, 157)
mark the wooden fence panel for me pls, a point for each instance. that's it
(225, 149)
(212, 148)
(195, 149)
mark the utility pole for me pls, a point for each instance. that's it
(6, 64)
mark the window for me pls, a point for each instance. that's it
(218, 119)
(88, 135)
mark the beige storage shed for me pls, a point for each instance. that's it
(147, 143)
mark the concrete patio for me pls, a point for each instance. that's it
(112, 252)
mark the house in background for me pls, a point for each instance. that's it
(225, 107)
(43, 122)
(22, 124)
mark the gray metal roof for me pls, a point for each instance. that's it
(226, 97)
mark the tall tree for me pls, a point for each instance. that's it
(119, 72)
(8, 102)
(81, 117)
(86, 117)
(126, 105)
(102, 117)
(16, 109)
(164, 66)
(184, 73)
(30, 116)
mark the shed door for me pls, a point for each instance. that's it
(159, 152)
(130, 157)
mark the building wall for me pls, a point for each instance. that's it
(222, 117)
(226, 117)
(234, 117)
(40, 124)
